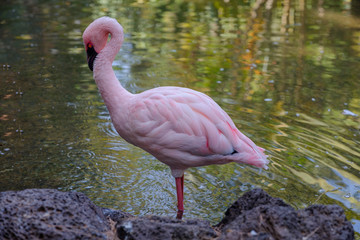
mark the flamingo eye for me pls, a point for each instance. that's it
(89, 45)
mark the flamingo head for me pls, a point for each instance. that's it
(96, 35)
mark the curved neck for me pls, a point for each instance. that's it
(112, 92)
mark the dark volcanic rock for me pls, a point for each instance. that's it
(50, 214)
(256, 215)
(325, 222)
(249, 201)
(115, 215)
(155, 227)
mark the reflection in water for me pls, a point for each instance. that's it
(287, 72)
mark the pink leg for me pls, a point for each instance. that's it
(180, 196)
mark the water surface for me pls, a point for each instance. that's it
(287, 72)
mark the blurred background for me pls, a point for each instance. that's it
(287, 72)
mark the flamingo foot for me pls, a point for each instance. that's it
(179, 214)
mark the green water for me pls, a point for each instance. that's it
(287, 72)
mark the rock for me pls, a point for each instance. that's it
(156, 227)
(249, 201)
(51, 214)
(256, 215)
(159, 228)
(325, 222)
(116, 215)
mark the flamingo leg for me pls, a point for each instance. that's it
(180, 196)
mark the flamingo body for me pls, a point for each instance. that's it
(181, 127)
(184, 128)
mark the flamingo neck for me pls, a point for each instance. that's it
(112, 92)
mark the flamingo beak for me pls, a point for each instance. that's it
(91, 55)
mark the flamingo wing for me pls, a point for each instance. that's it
(182, 119)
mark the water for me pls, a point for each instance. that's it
(287, 72)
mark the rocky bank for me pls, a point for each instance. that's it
(51, 214)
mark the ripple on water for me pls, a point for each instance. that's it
(108, 128)
(322, 160)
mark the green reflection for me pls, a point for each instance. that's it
(287, 72)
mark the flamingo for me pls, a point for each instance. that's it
(181, 127)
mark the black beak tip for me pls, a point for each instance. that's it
(91, 56)
(91, 65)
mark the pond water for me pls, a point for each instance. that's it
(287, 72)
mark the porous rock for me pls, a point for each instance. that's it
(159, 228)
(51, 214)
(256, 215)
(115, 215)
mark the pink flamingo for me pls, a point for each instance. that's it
(181, 127)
